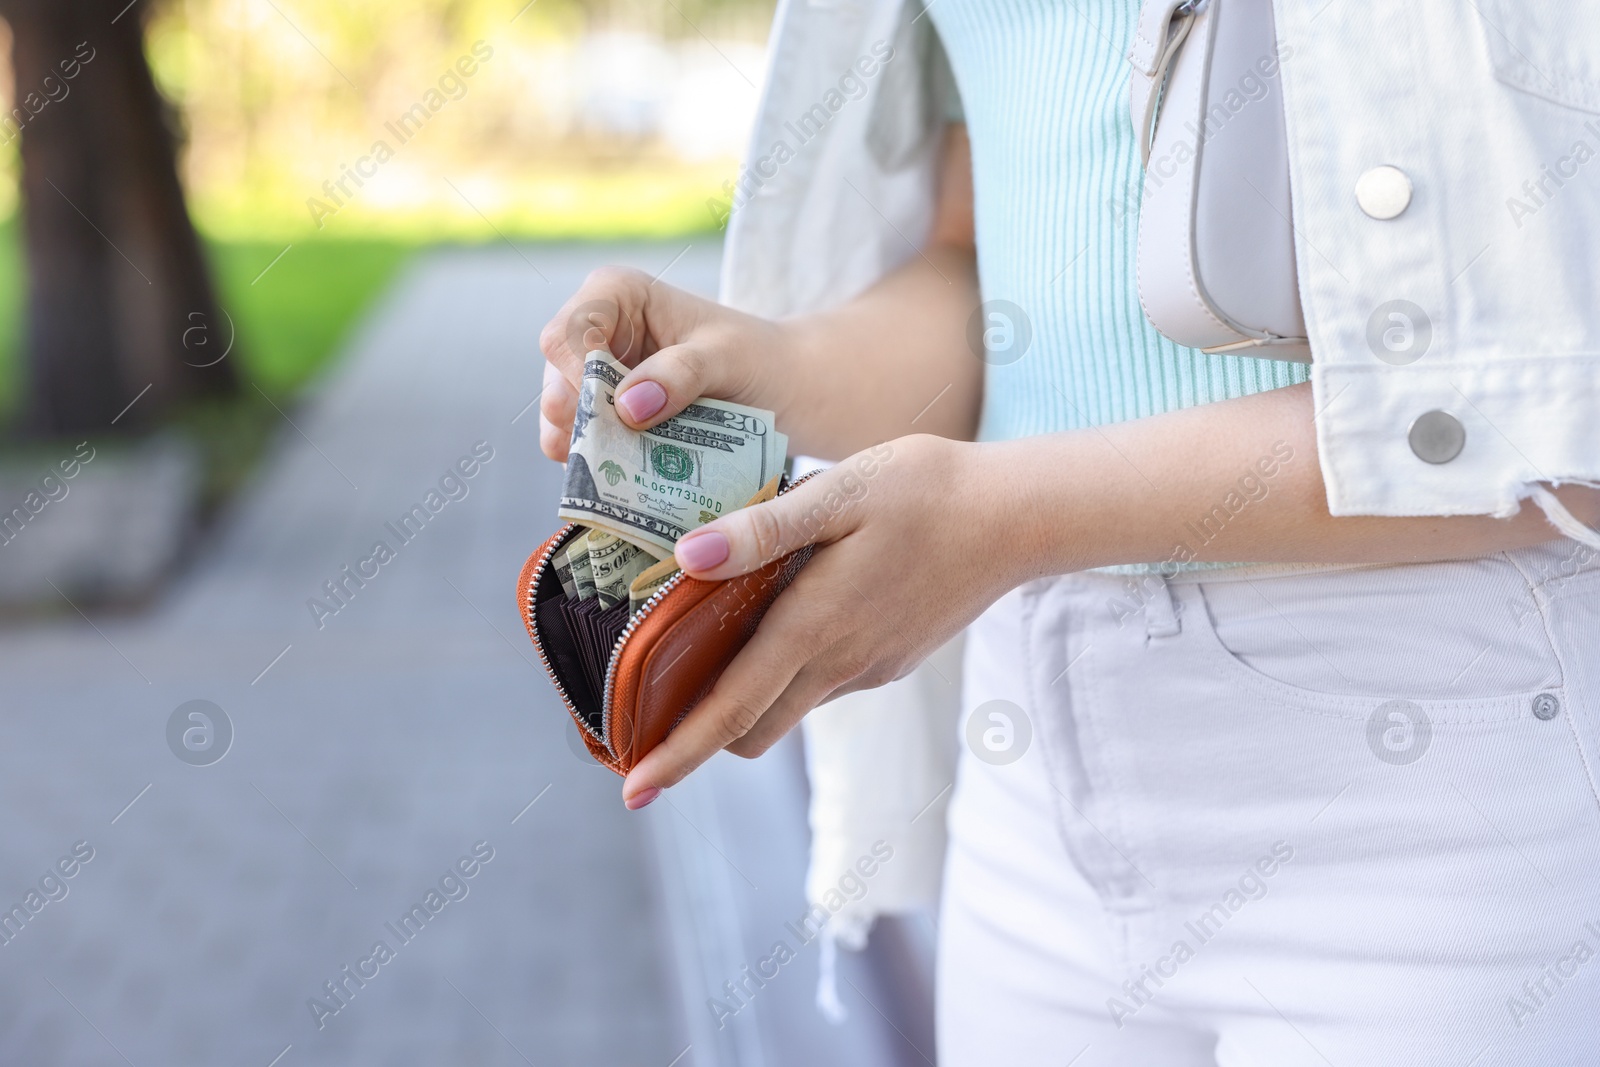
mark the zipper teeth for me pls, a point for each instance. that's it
(538, 646)
(616, 660)
(633, 624)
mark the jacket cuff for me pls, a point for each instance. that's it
(1532, 420)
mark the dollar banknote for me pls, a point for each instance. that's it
(577, 554)
(651, 487)
(614, 564)
(644, 586)
(564, 574)
(652, 578)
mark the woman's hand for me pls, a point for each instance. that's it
(909, 538)
(891, 360)
(696, 348)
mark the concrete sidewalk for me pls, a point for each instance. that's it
(380, 738)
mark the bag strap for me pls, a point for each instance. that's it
(1163, 27)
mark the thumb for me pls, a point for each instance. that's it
(820, 509)
(667, 381)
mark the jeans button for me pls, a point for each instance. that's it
(1546, 706)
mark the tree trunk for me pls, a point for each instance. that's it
(119, 298)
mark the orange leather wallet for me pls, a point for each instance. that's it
(629, 679)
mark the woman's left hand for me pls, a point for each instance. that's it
(910, 549)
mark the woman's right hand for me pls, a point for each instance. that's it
(680, 347)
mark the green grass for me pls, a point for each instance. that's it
(288, 321)
(11, 297)
(291, 319)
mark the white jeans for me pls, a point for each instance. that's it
(1270, 819)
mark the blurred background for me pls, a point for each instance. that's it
(270, 271)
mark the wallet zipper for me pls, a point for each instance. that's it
(616, 652)
(556, 545)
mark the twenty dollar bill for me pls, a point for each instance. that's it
(653, 486)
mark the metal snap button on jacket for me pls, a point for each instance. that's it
(1546, 706)
(1383, 192)
(1437, 437)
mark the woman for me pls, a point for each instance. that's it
(1315, 705)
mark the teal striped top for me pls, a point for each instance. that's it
(1056, 176)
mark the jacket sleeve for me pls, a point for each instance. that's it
(837, 187)
(1445, 164)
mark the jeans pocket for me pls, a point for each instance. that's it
(1573, 607)
(1467, 640)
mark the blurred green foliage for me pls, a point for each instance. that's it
(280, 98)
(276, 99)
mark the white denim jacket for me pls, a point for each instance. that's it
(1476, 309)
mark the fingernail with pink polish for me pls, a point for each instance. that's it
(641, 401)
(639, 800)
(702, 551)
